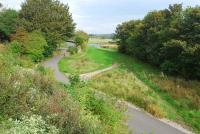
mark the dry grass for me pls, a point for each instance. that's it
(187, 92)
(125, 85)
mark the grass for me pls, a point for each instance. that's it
(105, 43)
(143, 85)
(91, 60)
(98, 41)
(32, 101)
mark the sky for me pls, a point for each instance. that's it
(102, 16)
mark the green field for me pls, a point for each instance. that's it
(140, 84)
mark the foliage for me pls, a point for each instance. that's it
(81, 39)
(16, 47)
(143, 85)
(109, 115)
(49, 16)
(72, 50)
(31, 44)
(125, 85)
(166, 38)
(36, 46)
(33, 102)
(8, 23)
(31, 125)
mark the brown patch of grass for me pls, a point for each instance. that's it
(155, 110)
(125, 85)
(180, 89)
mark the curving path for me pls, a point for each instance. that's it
(139, 122)
(90, 75)
(53, 64)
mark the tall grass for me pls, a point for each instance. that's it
(170, 96)
(31, 100)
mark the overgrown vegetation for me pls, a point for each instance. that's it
(7, 24)
(51, 17)
(143, 85)
(167, 38)
(109, 114)
(33, 102)
(29, 44)
(81, 39)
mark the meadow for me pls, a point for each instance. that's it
(141, 84)
(104, 43)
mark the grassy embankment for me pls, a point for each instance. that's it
(33, 102)
(140, 84)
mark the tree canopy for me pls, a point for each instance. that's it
(50, 17)
(81, 37)
(169, 39)
(8, 23)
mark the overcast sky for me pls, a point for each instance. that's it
(102, 16)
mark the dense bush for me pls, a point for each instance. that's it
(30, 125)
(81, 39)
(51, 17)
(33, 102)
(108, 114)
(25, 92)
(73, 50)
(167, 38)
(8, 23)
(32, 44)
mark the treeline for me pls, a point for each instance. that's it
(169, 39)
(38, 28)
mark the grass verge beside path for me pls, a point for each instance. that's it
(140, 84)
(91, 60)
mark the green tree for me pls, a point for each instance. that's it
(50, 17)
(31, 44)
(81, 38)
(8, 23)
(168, 38)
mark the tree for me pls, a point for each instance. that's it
(31, 44)
(123, 32)
(8, 23)
(50, 17)
(169, 39)
(81, 38)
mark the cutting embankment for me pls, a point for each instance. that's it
(140, 84)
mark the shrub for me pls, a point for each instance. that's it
(73, 50)
(16, 47)
(31, 44)
(36, 102)
(108, 117)
(8, 23)
(36, 46)
(34, 124)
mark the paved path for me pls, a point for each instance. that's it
(90, 75)
(53, 64)
(139, 122)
